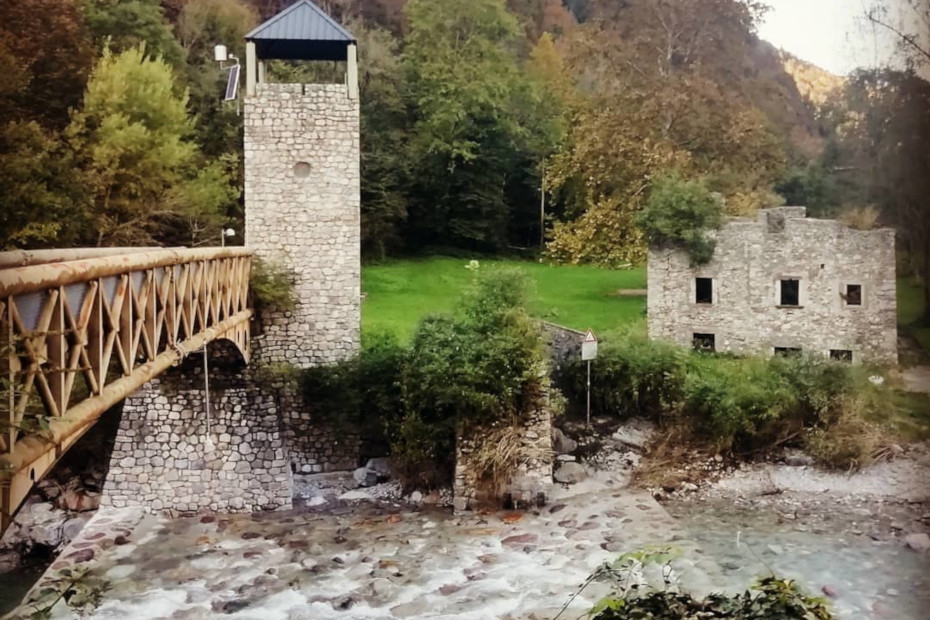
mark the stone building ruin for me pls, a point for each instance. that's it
(779, 284)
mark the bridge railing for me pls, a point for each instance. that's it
(79, 336)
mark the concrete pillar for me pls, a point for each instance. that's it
(251, 69)
(352, 71)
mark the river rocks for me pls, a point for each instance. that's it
(354, 496)
(520, 539)
(562, 443)
(636, 433)
(365, 477)
(796, 458)
(918, 542)
(80, 500)
(570, 473)
(381, 466)
(38, 523)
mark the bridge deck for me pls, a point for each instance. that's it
(81, 330)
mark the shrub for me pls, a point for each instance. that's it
(272, 285)
(738, 404)
(362, 396)
(469, 370)
(769, 599)
(632, 376)
(466, 371)
(636, 597)
(679, 213)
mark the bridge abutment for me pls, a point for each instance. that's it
(170, 455)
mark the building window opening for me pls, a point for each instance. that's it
(787, 351)
(853, 295)
(704, 342)
(704, 288)
(841, 355)
(790, 293)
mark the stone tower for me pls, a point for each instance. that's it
(302, 187)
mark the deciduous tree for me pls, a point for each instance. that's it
(147, 180)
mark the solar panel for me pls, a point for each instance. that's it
(232, 86)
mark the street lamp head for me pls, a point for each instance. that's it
(220, 54)
(229, 232)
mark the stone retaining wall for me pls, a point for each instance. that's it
(167, 456)
(529, 485)
(312, 445)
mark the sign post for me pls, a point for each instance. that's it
(588, 353)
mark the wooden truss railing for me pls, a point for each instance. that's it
(79, 336)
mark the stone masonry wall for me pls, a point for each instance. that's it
(562, 343)
(313, 446)
(751, 258)
(167, 456)
(529, 485)
(302, 194)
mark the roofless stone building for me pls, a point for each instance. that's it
(778, 284)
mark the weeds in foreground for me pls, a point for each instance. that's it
(635, 596)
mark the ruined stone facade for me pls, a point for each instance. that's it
(779, 283)
(302, 197)
(169, 456)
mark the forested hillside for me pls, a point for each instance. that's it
(112, 130)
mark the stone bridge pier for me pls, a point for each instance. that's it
(175, 451)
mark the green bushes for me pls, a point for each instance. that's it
(467, 370)
(272, 285)
(636, 597)
(631, 377)
(737, 404)
(679, 213)
(770, 598)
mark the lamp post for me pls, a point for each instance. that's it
(227, 232)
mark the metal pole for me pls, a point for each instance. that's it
(206, 388)
(542, 211)
(589, 393)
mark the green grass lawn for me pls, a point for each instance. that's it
(399, 293)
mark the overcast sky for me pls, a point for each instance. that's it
(829, 33)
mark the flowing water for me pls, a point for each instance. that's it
(352, 562)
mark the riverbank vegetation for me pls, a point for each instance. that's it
(635, 596)
(744, 406)
(479, 367)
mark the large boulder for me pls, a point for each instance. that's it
(570, 473)
(364, 477)
(636, 433)
(918, 542)
(562, 443)
(380, 465)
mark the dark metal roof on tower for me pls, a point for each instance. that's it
(302, 31)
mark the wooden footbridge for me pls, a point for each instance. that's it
(80, 330)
